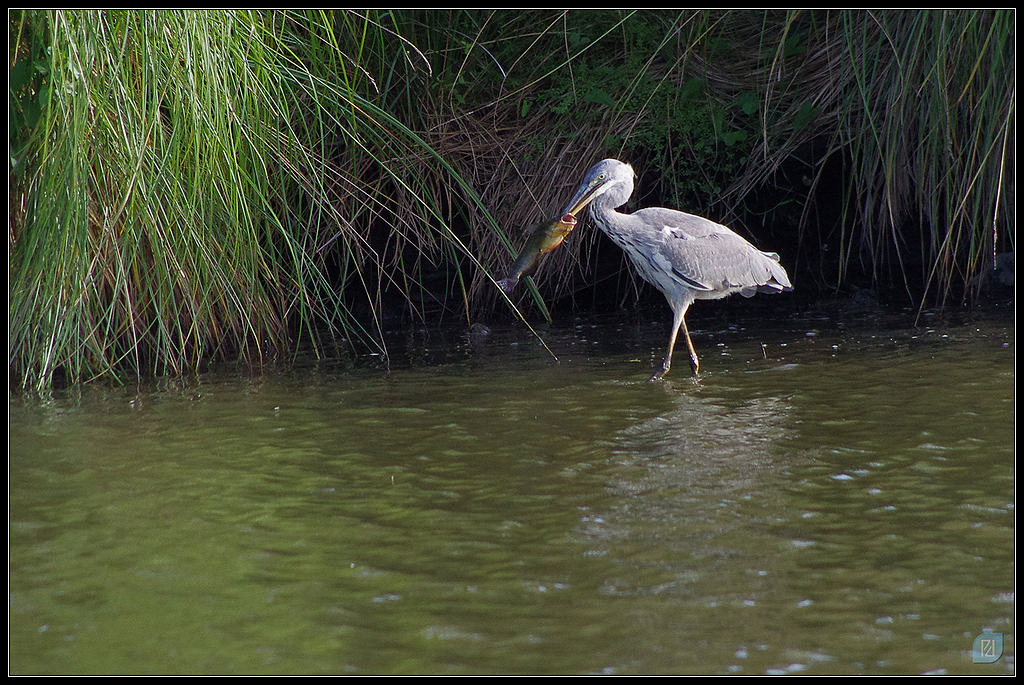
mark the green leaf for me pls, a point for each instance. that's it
(598, 96)
(805, 115)
(749, 102)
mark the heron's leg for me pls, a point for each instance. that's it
(694, 361)
(678, 320)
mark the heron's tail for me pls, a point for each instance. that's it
(778, 280)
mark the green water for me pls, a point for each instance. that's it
(820, 501)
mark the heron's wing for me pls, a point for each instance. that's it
(710, 257)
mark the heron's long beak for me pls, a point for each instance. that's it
(584, 196)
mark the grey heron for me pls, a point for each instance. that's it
(686, 257)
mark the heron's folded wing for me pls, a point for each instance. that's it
(723, 262)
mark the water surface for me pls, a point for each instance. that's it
(820, 501)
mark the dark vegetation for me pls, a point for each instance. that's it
(189, 186)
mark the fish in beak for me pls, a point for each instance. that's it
(545, 238)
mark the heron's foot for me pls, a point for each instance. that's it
(694, 364)
(659, 372)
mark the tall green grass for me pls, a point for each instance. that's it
(920, 106)
(902, 122)
(150, 238)
(882, 137)
(917, 108)
(196, 185)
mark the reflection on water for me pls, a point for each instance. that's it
(816, 503)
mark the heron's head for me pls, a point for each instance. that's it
(609, 178)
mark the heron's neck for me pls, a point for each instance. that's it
(605, 214)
